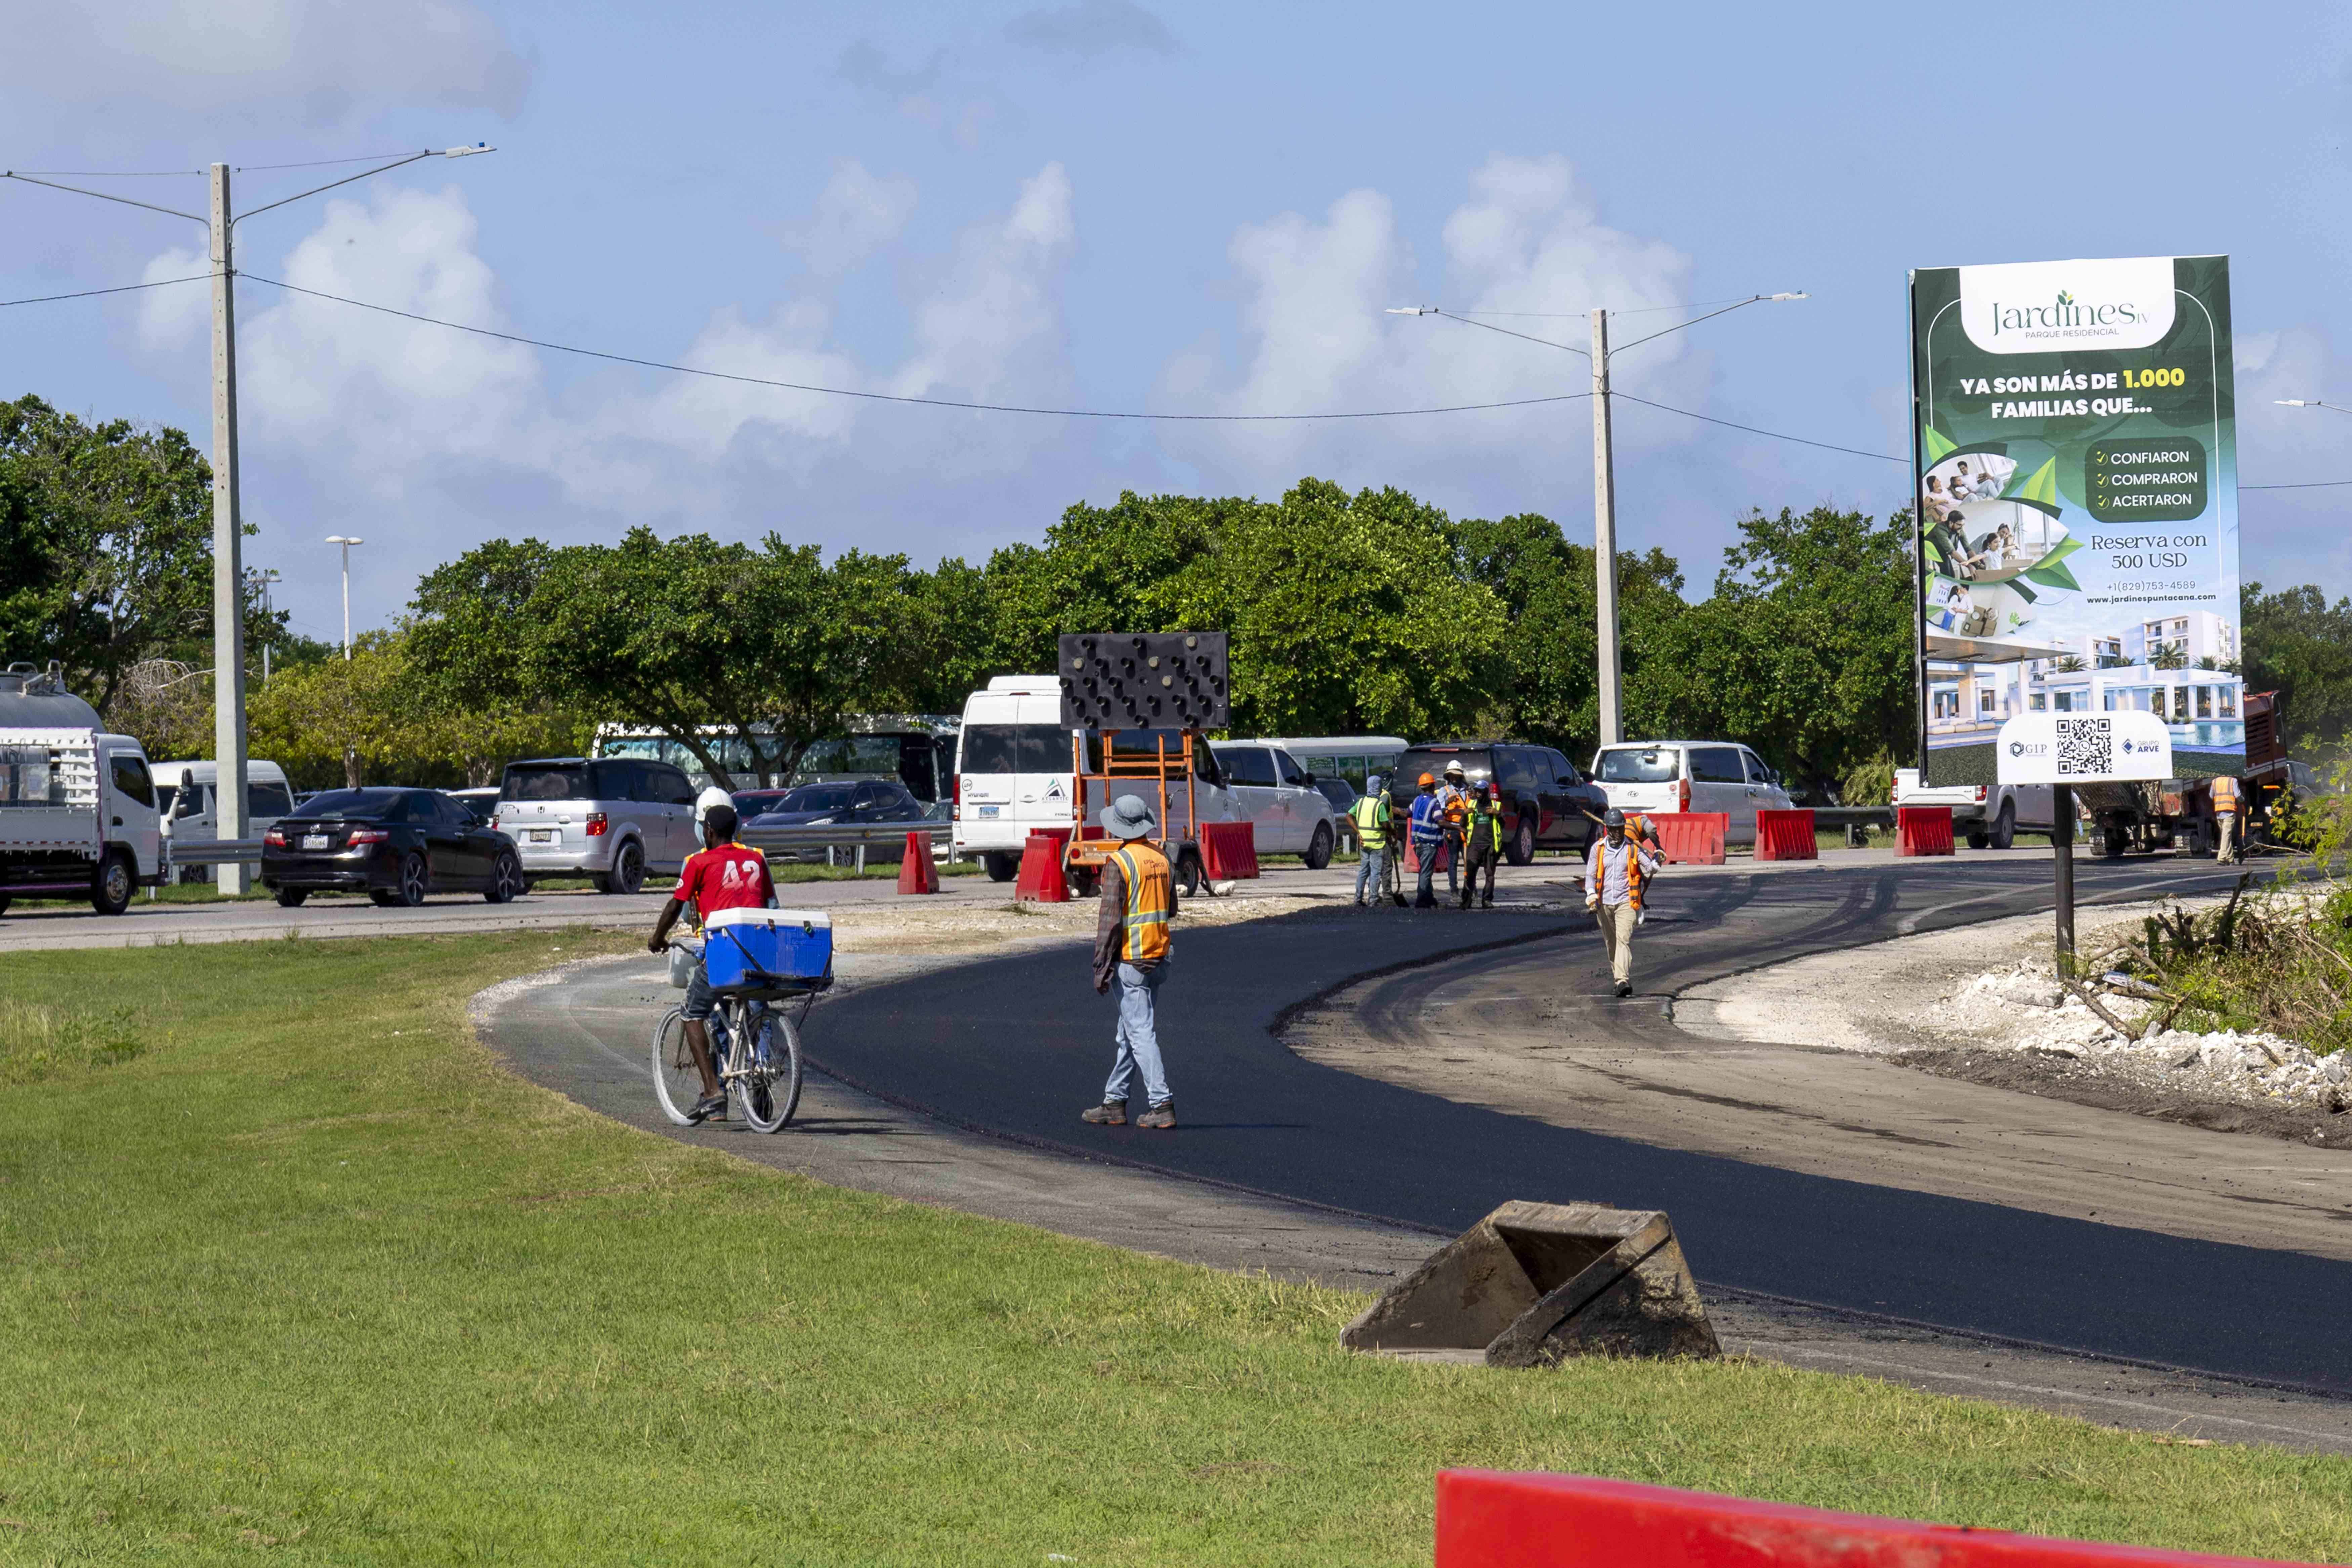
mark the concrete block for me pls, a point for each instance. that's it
(1532, 1284)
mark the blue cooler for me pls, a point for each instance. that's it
(796, 945)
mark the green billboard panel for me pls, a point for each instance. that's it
(2074, 441)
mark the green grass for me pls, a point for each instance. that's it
(301, 1266)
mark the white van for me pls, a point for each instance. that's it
(1013, 769)
(183, 796)
(1288, 815)
(1655, 776)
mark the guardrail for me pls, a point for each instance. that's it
(212, 852)
(1855, 819)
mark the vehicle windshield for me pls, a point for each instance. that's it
(559, 781)
(1652, 764)
(349, 804)
(818, 797)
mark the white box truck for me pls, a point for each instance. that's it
(78, 814)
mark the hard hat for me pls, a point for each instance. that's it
(710, 796)
(1454, 767)
(1427, 780)
(1612, 818)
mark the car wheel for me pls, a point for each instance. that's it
(1188, 875)
(505, 880)
(1319, 848)
(2114, 842)
(409, 891)
(111, 888)
(1001, 868)
(291, 898)
(2004, 826)
(1978, 838)
(1521, 850)
(628, 872)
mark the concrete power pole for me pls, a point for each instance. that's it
(1604, 540)
(229, 549)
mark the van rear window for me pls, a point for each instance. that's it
(1016, 749)
(1653, 764)
(545, 782)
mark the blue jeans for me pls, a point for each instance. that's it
(1367, 874)
(1138, 1035)
(1427, 854)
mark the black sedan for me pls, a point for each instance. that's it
(395, 845)
(847, 803)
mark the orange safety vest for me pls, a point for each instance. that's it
(1143, 872)
(2225, 794)
(1457, 807)
(1633, 862)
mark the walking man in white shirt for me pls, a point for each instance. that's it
(1613, 875)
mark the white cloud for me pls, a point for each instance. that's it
(1315, 334)
(856, 215)
(250, 59)
(1092, 28)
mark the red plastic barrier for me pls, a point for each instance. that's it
(1486, 1519)
(1041, 879)
(1413, 856)
(1923, 830)
(915, 872)
(1786, 836)
(1692, 838)
(1228, 850)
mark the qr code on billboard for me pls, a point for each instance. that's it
(2086, 746)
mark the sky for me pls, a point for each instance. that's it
(1124, 208)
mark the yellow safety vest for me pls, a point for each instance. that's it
(2225, 794)
(1371, 815)
(1150, 898)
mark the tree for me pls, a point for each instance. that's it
(1805, 649)
(353, 716)
(2299, 645)
(106, 531)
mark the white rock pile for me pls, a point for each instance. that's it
(2024, 1008)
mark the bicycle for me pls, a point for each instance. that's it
(763, 1082)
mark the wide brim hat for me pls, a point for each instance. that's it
(1127, 817)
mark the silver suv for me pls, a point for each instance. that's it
(612, 819)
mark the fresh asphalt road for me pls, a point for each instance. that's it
(1015, 1046)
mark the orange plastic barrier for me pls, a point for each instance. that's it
(915, 872)
(1486, 1519)
(1923, 830)
(1041, 879)
(1692, 838)
(1411, 867)
(1228, 850)
(1786, 836)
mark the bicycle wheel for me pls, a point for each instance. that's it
(771, 1083)
(676, 1083)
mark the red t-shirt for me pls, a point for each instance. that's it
(728, 878)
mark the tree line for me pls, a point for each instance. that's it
(1369, 612)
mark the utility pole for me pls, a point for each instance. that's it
(229, 547)
(1611, 668)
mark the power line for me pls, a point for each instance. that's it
(2313, 485)
(117, 173)
(88, 293)
(895, 397)
(1752, 430)
(1587, 315)
(316, 162)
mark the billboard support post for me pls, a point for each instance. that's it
(2061, 850)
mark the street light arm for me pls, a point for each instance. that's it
(2308, 403)
(330, 184)
(101, 195)
(1433, 310)
(1694, 321)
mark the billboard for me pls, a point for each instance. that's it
(2076, 457)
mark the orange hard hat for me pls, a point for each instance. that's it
(1428, 779)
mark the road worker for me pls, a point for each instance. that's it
(1428, 838)
(1454, 795)
(1370, 815)
(1132, 947)
(1483, 845)
(1613, 874)
(1399, 830)
(2225, 820)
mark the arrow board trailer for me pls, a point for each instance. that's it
(78, 814)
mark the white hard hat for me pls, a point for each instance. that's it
(711, 797)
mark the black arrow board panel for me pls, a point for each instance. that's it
(1144, 680)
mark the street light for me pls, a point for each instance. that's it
(346, 543)
(229, 576)
(1604, 481)
(2308, 403)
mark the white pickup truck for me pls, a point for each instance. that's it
(1990, 815)
(78, 814)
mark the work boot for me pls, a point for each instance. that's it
(1624, 988)
(1109, 1113)
(1162, 1115)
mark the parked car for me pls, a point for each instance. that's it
(1988, 815)
(191, 814)
(869, 803)
(1547, 803)
(482, 803)
(750, 803)
(1350, 757)
(611, 819)
(1660, 777)
(395, 844)
(1288, 815)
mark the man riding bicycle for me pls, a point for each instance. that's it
(723, 876)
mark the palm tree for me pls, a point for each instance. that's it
(2071, 664)
(2168, 656)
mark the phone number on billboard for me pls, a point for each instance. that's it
(2155, 585)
